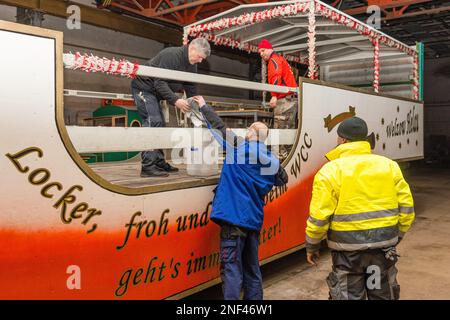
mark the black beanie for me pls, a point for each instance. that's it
(353, 129)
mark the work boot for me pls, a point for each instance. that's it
(154, 172)
(167, 167)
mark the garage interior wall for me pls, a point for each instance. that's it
(437, 103)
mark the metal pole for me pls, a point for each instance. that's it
(263, 80)
(96, 64)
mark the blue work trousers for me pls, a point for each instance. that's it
(239, 263)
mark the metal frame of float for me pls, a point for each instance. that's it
(308, 32)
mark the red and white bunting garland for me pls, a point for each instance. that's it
(312, 67)
(233, 43)
(202, 30)
(376, 64)
(416, 77)
(292, 10)
(353, 24)
(229, 42)
(91, 63)
(248, 18)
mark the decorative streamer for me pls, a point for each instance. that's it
(249, 18)
(91, 63)
(363, 29)
(230, 42)
(312, 68)
(376, 64)
(292, 10)
(416, 77)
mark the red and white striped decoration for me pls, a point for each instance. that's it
(354, 24)
(203, 30)
(376, 64)
(248, 18)
(91, 63)
(291, 10)
(233, 43)
(416, 77)
(312, 67)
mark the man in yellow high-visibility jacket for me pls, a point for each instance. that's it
(364, 206)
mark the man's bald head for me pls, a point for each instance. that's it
(258, 131)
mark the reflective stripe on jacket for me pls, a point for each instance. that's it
(360, 200)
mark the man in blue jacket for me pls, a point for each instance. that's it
(249, 172)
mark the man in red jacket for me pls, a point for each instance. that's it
(279, 73)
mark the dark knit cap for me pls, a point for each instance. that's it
(353, 129)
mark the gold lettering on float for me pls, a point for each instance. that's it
(41, 177)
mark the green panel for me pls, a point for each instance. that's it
(133, 115)
(114, 156)
(99, 157)
(131, 154)
(89, 157)
(109, 111)
(421, 52)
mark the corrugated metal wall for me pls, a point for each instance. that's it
(396, 75)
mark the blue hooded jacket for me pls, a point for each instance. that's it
(249, 172)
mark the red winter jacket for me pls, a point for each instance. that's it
(279, 73)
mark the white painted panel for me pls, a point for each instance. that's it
(380, 113)
(105, 139)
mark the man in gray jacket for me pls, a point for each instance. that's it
(148, 92)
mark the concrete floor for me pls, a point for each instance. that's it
(424, 265)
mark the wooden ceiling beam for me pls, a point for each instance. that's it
(113, 21)
(102, 18)
(383, 4)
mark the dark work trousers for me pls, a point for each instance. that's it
(151, 115)
(239, 263)
(358, 275)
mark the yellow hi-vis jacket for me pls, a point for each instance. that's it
(359, 200)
